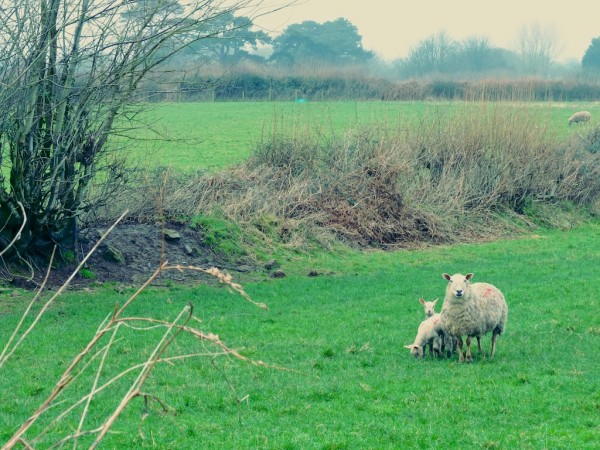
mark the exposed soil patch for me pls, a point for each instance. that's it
(131, 253)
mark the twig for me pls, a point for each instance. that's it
(18, 235)
(223, 277)
(150, 364)
(117, 377)
(95, 383)
(113, 322)
(3, 358)
(66, 378)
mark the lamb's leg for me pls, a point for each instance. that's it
(479, 344)
(494, 336)
(468, 357)
(460, 352)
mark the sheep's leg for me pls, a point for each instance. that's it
(494, 336)
(468, 357)
(460, 352)
(479, 344)
(450, 342)
(437, 346)
(444, 346)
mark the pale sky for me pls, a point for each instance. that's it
(391, 27)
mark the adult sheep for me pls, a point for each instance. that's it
(472, 310)
(581, 116)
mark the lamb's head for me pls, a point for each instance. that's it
(458, 284)
(415, 350)
(429, 306)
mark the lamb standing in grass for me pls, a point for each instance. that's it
(443, 341)
(472, 310)
(581, 116)
(428, 332)
(438, 342)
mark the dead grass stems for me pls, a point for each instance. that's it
(472, 172)
(94, 356)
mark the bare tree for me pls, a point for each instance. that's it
(432, 55)
(68, 70)
(538, 48)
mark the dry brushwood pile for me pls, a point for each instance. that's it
(464, 178)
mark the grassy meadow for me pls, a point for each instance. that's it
(212, 136)
(348, 382)
(335, 373)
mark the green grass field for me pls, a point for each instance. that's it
(211, 136)
(346, 381)
(351, 384)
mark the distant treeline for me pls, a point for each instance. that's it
(252, 87)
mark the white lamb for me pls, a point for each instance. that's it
(472, 310)
(428, 334)
(581, 116)
(429, 306)
(443, 343)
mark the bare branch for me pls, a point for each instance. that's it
(18, 234)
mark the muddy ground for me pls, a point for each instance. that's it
(131, 253)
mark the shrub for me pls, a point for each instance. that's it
(591, 142)
(448, 178)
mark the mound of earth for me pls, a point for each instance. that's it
(132, 252)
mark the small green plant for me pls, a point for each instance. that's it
(68, 256)
(87, 274)
(221, 234)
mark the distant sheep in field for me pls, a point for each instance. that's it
(428, 335)
(472, 310)
(581, 116)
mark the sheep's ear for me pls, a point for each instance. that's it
(422, 301)
(435, 301)
(408, 347)
(446, 276)
(469, 276)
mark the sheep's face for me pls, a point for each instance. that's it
(457, 284)
(429, 306)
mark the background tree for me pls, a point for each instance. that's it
(591, 59)
(232, 38)
(335, 42)
(538, 48)
(433, 55)
(68, 70)
(154, 10)
(477, 57)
